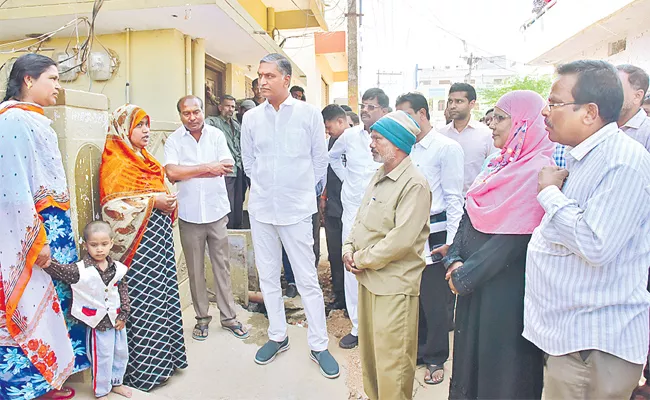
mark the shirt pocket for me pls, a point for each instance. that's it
(296, 143)
(377, 216)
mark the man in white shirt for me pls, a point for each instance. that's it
(352, 161)
(474, 137)
(196, 159)
(633, 120)
(285, 155)
(440, 160)
(586, 302)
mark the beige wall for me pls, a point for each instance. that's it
(157, 60)
(235, 81)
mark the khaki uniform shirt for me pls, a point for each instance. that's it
(233, 138)
(390, 229)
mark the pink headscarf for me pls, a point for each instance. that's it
(502, 199)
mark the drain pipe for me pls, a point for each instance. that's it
(127, 89)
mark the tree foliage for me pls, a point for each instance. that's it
(542, 85)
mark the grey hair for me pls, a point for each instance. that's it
(281, 61)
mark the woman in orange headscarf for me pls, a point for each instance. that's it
(137, 204)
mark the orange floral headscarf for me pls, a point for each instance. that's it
(128, 182)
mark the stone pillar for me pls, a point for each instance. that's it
(81, 121)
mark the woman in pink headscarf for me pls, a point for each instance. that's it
(487, 261)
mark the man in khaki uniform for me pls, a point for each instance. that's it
(384, 251)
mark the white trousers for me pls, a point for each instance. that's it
(108, 355)
(349, 279)
(298, 242)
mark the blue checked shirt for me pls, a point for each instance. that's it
(558, 155)
(587, 264)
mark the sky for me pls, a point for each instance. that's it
(397, 34)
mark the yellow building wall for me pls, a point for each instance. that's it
(257, 10)
(157, 60)
(235, 81)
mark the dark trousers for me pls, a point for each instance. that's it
(236, 191)
(288, 272)
(433, 329)
(334, 235)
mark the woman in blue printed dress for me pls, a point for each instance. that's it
(40, 344)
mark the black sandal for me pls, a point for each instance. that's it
(237, 327)
(431, 368)
(200, 332)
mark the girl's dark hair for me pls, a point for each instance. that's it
(28, 65)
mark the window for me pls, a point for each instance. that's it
(441, 105)
(498, 81)
(444, 82)
(617, 47)
(426, 82)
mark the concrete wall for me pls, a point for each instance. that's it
(636, 52)
(236, 81)
(157, 60)
(564, 20)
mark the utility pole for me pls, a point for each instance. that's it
(471, 60)
(353, 54)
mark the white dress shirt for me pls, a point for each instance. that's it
(587, 262)
(200, 200)
(638, 128)
(285, 155)
(351, 160)
(476, 141)
(440, 160)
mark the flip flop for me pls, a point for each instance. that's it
(57, 394)
(202, 332)
(237, 327)
(434, 368)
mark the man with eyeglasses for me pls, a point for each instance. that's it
(354, 147)
(474, 137)
(586, 301)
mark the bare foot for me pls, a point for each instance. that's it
(123, 391)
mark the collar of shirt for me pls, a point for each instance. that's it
(289, 101)
(90, 262)
(471, 124)
(636, 121)
(580, 151)
(187, 131)
(397, 172)
(427, 140)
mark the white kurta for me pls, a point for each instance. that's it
(285, 154)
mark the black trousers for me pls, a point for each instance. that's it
(236, 191)
(433, 329)
(334, 235)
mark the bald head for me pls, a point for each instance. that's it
(97, 227)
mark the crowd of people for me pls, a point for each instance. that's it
(526, 233)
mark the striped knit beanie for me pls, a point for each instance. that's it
(399, 128)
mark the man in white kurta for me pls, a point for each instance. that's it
(351, 160)
(285, 154)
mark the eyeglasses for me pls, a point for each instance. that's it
(370, 107)
(550, 106)
(499, 118)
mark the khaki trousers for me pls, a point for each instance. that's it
(589, 375)
(388, 332)
(193, 239)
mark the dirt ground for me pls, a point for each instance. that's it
(339, 325)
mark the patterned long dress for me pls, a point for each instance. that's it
(20, 379)
(156, 343)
